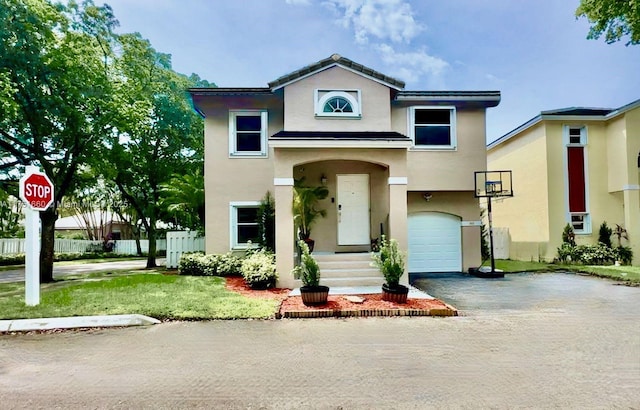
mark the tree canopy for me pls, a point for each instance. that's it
(616, 19)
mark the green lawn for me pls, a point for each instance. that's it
(626, 273)
(152, 294)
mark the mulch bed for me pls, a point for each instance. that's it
(338, 306)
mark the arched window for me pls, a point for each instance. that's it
(338, 104)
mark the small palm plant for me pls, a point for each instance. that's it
(309, 273)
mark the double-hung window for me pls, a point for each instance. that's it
(433, 127)
(244, 224)
(248, 133)
(575, 139)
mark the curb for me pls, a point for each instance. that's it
(74, 322)
(320, 313)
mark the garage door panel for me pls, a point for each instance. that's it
(435, 243)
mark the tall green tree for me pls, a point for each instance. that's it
(55, 94)
(183, 199)
(157, 132)
(615, 19)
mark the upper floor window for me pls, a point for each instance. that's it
(248, 133)
(344, 103)
(576, 179)
(433, 127)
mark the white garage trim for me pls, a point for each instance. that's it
(435, 242)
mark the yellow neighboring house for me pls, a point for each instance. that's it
(395, 162)
(573, 165)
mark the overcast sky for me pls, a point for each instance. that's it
(534, 51)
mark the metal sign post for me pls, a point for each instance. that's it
(36, 190)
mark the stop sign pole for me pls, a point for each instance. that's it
(36, 190)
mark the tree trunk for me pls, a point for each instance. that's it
(47, 238)
(151, 230)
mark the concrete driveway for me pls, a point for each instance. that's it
(530, 341)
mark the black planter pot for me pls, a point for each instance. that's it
(310, 243)
(396, 294)
(314, 295)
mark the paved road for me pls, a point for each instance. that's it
(582, 354)
(62, 269)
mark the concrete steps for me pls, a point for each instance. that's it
(347, 270)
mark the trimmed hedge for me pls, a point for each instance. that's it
(199, 264)
(18, 258)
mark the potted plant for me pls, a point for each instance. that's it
(390, 261)
(305, 212)
(309, 273)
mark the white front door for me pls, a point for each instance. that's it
(353, 209)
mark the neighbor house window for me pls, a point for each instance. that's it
(248, 133)
(433, 127)
(331, 103)
(575, 139)
(244, 224)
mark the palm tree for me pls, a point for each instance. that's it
(183, 197)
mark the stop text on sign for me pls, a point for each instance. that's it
(36, 190)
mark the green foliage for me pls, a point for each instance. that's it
(305, 203)
(484, 240)
(604, 235)
(565, 252)
(259, 267)
(18, 258)
(568, 235)
(615, 19)
(267, 222)
(199, 264)
(10, 216)
(308, 271)
(620, 234)
(389, 260)
(182, 198)
(624, 254)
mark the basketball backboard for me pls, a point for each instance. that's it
(492, 184)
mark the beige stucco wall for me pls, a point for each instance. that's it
(233, 179)
(538, 212)
(462, 204)
(299, 103)
(526, 214)
(448, 170)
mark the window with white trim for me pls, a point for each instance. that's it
(248, 133)
(244, 224)
(433, 127)
(332, 103)
(575, 141)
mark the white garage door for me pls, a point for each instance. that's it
(435, 243)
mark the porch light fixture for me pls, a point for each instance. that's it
(427, 196)
(323, 180)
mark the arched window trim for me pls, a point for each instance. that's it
(326, 97)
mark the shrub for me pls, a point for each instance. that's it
(308, 271)
(565, 252)
(568, 235)
(259, 268)
(624, 254)
(598, 254)
(604, 236)
(390, 261)
(191, 264)
(267, 222)
(229, 265)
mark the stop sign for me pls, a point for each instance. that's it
(36, 190)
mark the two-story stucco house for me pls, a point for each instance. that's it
(395, 162)
(572, 165)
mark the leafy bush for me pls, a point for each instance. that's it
(229, 265)
(18, 259)
(308, 271)
(191, 264)
(624, 254)
(390, 261)
(259, 267)
(568, 235)
(565, 252)
(604, 235)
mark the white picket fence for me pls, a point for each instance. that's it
(124, 247)
(179, 242)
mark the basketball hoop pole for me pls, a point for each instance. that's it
(493, 261)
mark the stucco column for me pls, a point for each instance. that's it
(284, 231)
(398, 217)
(632, 220)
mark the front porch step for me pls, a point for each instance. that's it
(347, 269)
(349, 272)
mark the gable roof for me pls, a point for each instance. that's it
(568, 114)
(332, 61)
